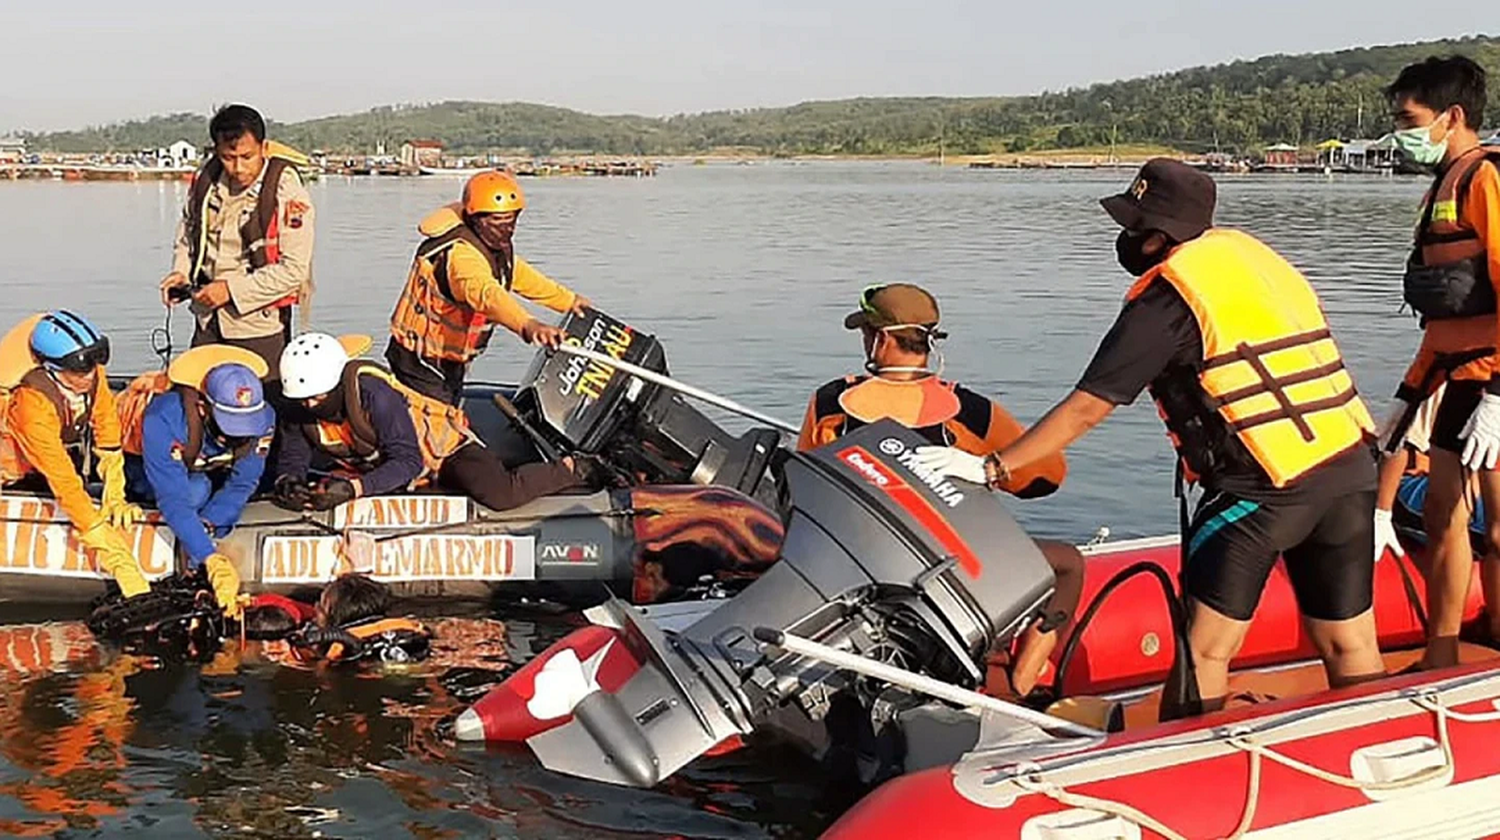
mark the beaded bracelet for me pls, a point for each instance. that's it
(996, 473)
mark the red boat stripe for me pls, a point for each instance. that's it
(913, 502)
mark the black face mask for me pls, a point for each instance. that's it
(331, 408)
(1128, 250)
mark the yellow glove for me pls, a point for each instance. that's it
(225, 582)
(113, 557)
(114, 508)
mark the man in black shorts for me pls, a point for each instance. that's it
(1231, 341)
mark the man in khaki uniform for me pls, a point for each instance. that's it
(243, 255)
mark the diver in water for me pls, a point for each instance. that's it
(899, 325)
(389, 438)
(349, 622)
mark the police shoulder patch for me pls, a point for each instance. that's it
(295, 210)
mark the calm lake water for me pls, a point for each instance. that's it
(745, 273)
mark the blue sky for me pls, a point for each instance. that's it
(94, 62)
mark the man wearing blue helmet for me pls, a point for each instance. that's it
(198, 449)
(60, 423)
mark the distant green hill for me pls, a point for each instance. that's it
(1237, 107)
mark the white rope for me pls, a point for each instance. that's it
(1036, 783)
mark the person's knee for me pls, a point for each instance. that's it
(1214, 638)
(1349, 638)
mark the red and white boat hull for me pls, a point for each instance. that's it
(1407, 757)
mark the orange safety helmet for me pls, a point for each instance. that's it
(493, 191)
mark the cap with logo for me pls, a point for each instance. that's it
(1166, 195)
(238, 401)
(894, 305)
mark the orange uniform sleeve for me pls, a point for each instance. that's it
(474, 285)
(538, 288)
(1482, 210)
(108, 433)
(37, 430)
(808, 437)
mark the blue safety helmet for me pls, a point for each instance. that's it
(63, 340)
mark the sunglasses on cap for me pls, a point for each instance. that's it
(84, 359)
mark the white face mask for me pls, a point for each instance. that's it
(933, 334)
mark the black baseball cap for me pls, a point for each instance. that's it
(1166, 195)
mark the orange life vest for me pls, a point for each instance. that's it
(1271, 369)
(429, 320)
(441, 428)
(1448, 261)
(261, 233)
(77, 428)
(1448, 275)
(386, 639)
(924, 405)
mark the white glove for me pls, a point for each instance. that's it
(1385, 536)
(1392, 420)
(955, 463)
(1482, 435)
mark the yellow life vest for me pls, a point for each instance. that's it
(1271, 369)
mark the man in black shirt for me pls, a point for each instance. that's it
(1232, 343)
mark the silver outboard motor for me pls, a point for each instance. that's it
(881, 559)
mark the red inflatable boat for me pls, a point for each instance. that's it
(1411, 756)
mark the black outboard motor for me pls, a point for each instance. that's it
(880, 558)
(649, 431)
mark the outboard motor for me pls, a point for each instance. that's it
(649, 431)
(881, 559)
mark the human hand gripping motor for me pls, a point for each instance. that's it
(955, 463)
(546, 335)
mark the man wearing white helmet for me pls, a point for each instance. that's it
(390, 437)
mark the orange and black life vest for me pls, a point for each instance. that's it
(385, 639)
(441, 428)
(1447, 275)
(928, 406)
(429, 320)
(77, 427)
(1271, 370)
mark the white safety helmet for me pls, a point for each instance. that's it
(312, 365)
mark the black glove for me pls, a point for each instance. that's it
(290, 493)
(330, 494)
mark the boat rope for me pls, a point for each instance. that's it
(1258, 753)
